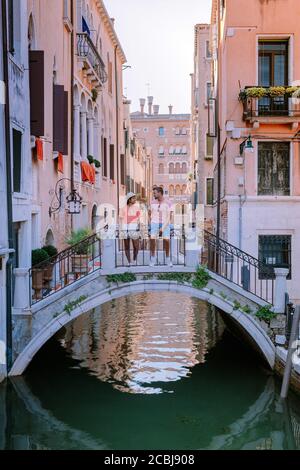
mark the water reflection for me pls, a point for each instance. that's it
(137, 341)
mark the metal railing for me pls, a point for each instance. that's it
(276, 106)
(87, 49)
(134, 248)
(238, 267)
(65, 268)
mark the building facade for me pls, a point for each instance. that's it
(169, 137)
(201, 142)
(256, 67)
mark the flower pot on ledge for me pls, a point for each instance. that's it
(37, 282)
(80, 264)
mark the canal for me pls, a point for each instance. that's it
(150, 371)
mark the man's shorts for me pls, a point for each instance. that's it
(155, 231)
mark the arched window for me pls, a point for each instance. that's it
(161, 169)
(178, 150)
(184, 168)
(171, 169)
(177, 190)
(171, 150)
(31, 34)
(177, 168)
(184, 189)
(171, 190)
(49, 238)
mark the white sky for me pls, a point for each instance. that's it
(158, 40)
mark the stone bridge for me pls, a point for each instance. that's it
(34, 325)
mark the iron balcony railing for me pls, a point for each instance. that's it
(86, 49)
(135, 247)
(238, 267)
(65, 268)
(284, 105)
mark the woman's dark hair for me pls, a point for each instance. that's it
(159, 189)
(129, 200)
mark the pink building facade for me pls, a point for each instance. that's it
(256, 61)
(168, 135)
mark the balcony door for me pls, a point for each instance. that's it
(273, 71)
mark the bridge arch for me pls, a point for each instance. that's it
(248, 324)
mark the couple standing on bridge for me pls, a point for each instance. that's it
(133, 218)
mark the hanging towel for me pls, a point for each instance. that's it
(60, 163)
(85, 171)
(92, 174)
(39, 149)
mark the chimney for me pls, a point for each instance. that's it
(142, 104)
(150, 102)
(170, 109)
(156, 109)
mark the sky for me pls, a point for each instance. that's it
(157, 37)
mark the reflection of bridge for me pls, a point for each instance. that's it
(93, 272)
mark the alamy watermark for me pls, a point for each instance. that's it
(2, 92)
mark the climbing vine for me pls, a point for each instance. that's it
(201, 278)
(121, 278)
(69, 307)
(181, 278)
(265, 313)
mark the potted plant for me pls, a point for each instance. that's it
(80, 258)
(48, 269)
(90, 159)
(97, 163)
(37, 258)
(256, 92)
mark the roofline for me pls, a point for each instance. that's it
(111, 29)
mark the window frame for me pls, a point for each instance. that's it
(261, 257)
(206, 191)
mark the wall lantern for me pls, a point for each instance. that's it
(247, 145)
(74, 200)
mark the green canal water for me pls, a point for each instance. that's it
(151, 371)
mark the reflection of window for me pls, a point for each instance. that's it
(209, 191)
(208, 91)
(274, 168)
(274, 250)
(161, 131)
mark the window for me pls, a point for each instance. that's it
(184, 168)
(37, 92)
(208, 51)
(178, 190)
(161, 169)
(209, 146)
(171, 169)
(110, 74)
(177, 168)
(104, 153)
(275, 250)
(184, 151)
(171, 150)
(171, 190)
(161, 131)
(67, 10)
(209, 191)
(122, 169)
(177, 131)
(273, 168)
(17, 160)
(161, 150)
(208, 91)
(112, 161)
(178, 150)
(184, 131)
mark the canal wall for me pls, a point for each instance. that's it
(281, 355)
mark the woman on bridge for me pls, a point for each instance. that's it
(130, 217)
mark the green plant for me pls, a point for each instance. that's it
(181, 278)
(211, 291)
(265, 313)
(201, 278)
(236, 305)
(148, 277)
(51, 250)
(90, 159)
(246, 309)
(73, 304)
(256, 92)
(242, 95)
(276, 91)
(38, 256)
(291, 90)
(94, 94)
(123, 278)
(78, 236)
(97, 163)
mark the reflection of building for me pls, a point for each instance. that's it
(138, 340)
(169, 137)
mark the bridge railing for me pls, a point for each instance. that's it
(238, 267)
(63, 269)
(134, 248)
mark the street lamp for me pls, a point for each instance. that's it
(74, 200)
(246, 145)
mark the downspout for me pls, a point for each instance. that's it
(8, 192)
(72, 102)
(218, 137)
(117, 132)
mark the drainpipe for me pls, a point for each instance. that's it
(72, 103)
(8, 192)
(117, 132)
(240, 222)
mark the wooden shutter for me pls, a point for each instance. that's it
(58, 118)
(104, 153)
(17, 160)
(112, 161)
(274, 168)
(37, 92)
(66, 125)
(122, 165)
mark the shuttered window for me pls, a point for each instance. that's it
(37, 93)
(122, 168)
(17, 160)
(112, 161)
(58, 118)
(274, 168)
(110, 77)
(209, 191)
(104, 153)
(66, 125)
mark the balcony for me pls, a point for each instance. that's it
(271, 105)
(91, 60)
